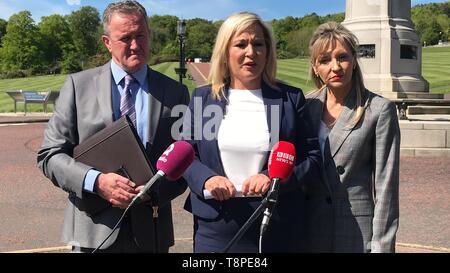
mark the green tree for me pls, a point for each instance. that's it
(84, 24)
(310, 20)
(337, 17)
(163, 38)
(297, 42)
(431, 35)
(3, 25)
(444, 23)
(57, 39)
(70, 62)
(201, 35)
(21, 44)
(432, 21)
(281, 28)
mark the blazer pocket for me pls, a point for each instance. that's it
(91, 204)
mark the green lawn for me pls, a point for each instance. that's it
(435, 68)
(46, 83)
(295, 72)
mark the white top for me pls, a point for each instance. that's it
(243, 136)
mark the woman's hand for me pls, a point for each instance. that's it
(220, 187)
(256, 185)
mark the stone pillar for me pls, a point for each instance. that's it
(390, 49)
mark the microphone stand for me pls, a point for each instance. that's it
(270, 199)
(154, 200)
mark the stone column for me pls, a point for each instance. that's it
(390, 49)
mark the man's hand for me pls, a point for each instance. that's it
(116, 189)
(145, 197)
(256, 185)
(220, 187)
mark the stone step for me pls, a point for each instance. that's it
(432, 152)
(430, 117)
(411, 95)
(428, 109)
(419, 95)
(425, 138)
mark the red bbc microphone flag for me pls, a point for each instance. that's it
(282, 160)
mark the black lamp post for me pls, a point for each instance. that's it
(181, 32)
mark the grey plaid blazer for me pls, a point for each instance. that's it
(355, 207)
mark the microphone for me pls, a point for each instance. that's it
(171, 165)
(281, 165)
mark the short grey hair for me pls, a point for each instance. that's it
(126, 7)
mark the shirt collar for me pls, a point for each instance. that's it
(118, 73)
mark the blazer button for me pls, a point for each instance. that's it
(328, 199)
(340, 170)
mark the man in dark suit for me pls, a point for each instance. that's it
(88, 102)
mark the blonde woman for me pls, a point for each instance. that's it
(355, 208)
(251, 112)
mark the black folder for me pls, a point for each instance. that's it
(117, 148)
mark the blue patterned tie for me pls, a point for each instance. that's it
(126, 100)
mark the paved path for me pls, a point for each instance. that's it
(32, 208)
(199, 71)
(20, 117)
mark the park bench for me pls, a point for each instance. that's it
(27, 97)
(403, 104)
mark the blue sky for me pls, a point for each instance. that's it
(187, 9)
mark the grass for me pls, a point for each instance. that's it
(435, 68)
(54, 82)
(295, 72)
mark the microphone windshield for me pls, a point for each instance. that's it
(282, 160)
(176, 159)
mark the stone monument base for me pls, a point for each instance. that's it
(405, 86)
(425, 138)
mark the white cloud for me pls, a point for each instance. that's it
(73, 2)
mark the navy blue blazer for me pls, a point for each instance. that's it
(293, 126)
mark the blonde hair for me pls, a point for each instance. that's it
(219, 73)
(326, 34)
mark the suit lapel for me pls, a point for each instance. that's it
(273, 102)
(156, 97)
(103, 89)
(214, 142)
(341, 130)
(316, 103)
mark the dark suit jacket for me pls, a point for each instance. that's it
(84, 107)
(291, 122)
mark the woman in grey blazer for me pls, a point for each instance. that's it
(355, 208)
